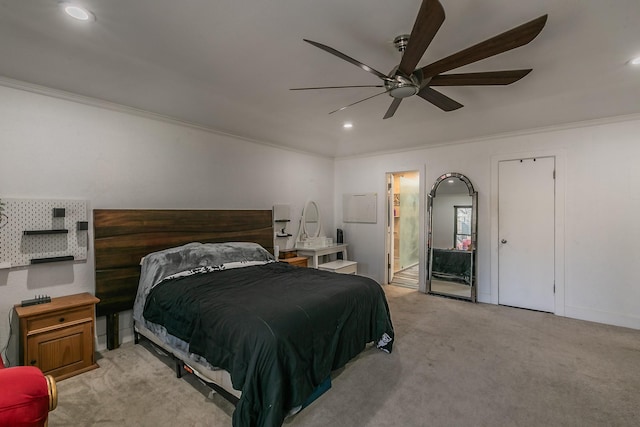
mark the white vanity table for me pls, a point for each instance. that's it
(314, 253)
(311, 243)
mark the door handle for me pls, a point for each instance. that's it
(503, 241)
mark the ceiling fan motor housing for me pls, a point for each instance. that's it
(401, 86)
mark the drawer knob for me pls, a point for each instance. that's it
(61, 319)
(33, 362)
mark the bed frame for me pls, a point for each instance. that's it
(123, 236)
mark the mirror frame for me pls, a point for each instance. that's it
(302, 229)
(305, 213)
(474, 234)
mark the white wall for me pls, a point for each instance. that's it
(56, 149)
(601, 181)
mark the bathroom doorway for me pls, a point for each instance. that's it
(403, 207)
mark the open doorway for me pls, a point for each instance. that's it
(403, 207)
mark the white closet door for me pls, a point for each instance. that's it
(526, 224)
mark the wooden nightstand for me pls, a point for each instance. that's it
(58, 337)
(300, 261)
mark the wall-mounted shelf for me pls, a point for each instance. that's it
(51, 259)
(40, 232)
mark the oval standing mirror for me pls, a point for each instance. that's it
(311, 219)
(452, 209)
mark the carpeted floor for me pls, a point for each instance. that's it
(454, 363)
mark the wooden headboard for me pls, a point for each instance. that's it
(123, 236)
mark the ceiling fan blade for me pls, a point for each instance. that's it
(508, 40)
(476, 79)
(333, 87)
(392, 108)
(430, 18)
(348, 59)
(438, 99)
(358, 102)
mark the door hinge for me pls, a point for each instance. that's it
(554, 174)
(554, 288)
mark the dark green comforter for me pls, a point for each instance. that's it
(278, 330)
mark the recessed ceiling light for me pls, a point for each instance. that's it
(635, 61)
(347, 125)
(78, 12)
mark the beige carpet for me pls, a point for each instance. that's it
(454, 363)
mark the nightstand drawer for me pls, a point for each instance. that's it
(300, 261)
(50, 320)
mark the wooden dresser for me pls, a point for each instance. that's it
(58, 337)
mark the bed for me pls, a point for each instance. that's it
(268, 333)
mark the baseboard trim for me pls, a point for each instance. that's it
(605, 317)
(587, 314)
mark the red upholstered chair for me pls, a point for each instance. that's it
(26, 396)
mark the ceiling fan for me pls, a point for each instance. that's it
(405, 80)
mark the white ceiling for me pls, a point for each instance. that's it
(228, 65)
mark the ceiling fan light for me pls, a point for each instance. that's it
(403, 91)
(402, 86)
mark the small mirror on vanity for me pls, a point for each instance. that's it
(311, 220)
(451, 237)
(310, 233)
